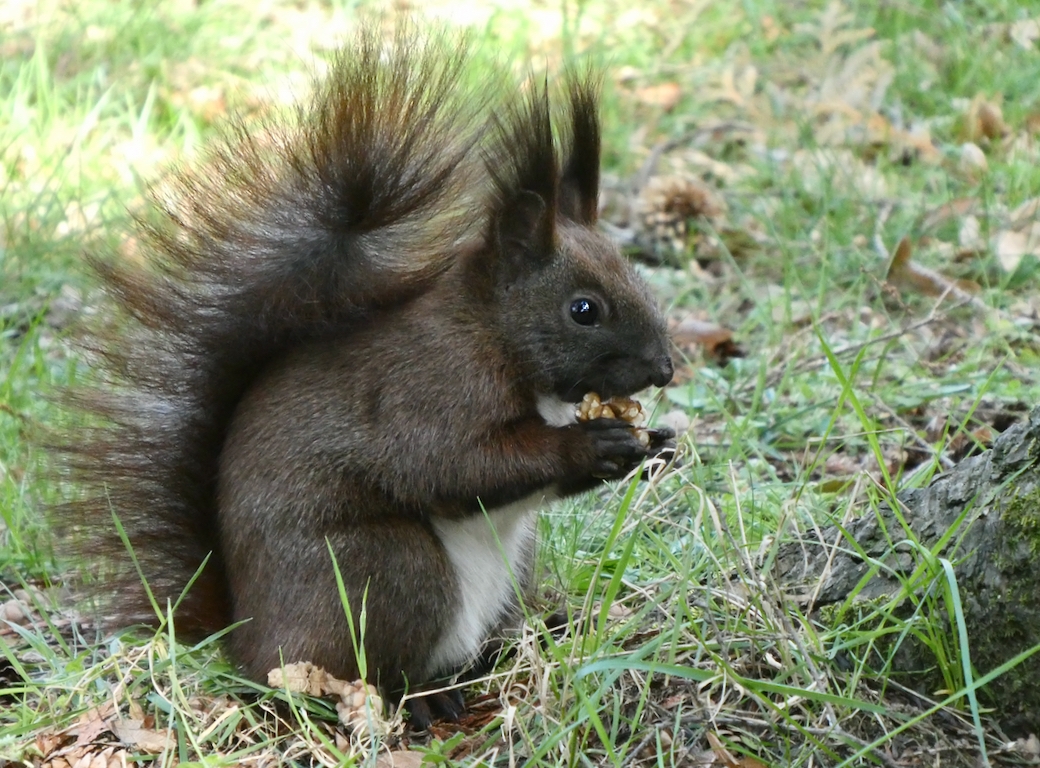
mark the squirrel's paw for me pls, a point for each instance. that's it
(616, 447)
(661, 453)
(426, 709)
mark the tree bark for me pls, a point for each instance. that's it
(991, 504)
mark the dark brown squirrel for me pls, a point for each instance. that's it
(362, 330)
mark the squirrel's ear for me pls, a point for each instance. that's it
(579, 184)
(525, 234)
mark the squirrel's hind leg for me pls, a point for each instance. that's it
(396, 571)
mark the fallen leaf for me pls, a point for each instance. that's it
(1012, 245)
(972, 161)
(717, 341)
(664, 95)
(47, 742)
(710, 335)
(399, 758)
(133, 734)
(983, 120)
(1028, 746)
(93, 723)
(1021, 236)
(903, 272)
(836, 484)
(969, 236)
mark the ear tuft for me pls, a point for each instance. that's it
(523, 165)
(579, 185)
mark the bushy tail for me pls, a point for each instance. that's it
(286, 233)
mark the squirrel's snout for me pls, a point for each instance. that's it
(662, 372)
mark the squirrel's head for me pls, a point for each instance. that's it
(573, 313)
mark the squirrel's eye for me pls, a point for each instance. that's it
(584, 311)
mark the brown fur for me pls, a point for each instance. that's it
(342, 336)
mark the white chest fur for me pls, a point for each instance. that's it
(556, 412)
(490, 555)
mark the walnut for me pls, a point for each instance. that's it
(624, 408)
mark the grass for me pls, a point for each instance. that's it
(850, 388)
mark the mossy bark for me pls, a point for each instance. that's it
(983, 517)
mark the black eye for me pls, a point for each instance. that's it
(584, 311)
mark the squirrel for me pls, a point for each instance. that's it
(354, 341)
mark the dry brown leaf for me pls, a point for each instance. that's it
(133, 733)
(691, 331)
(983, 120)
(93, 723)
(136, 710)
(109, 757)
(399, 758)
(1012, 245)
(48, 741)
(664, 95)
(86, 756)
(903, 272)
(717, 341)
(1021, 236)
(963, 444)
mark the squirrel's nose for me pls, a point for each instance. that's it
(662, 372)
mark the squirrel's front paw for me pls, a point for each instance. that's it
(615, 448)
(661, 452)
